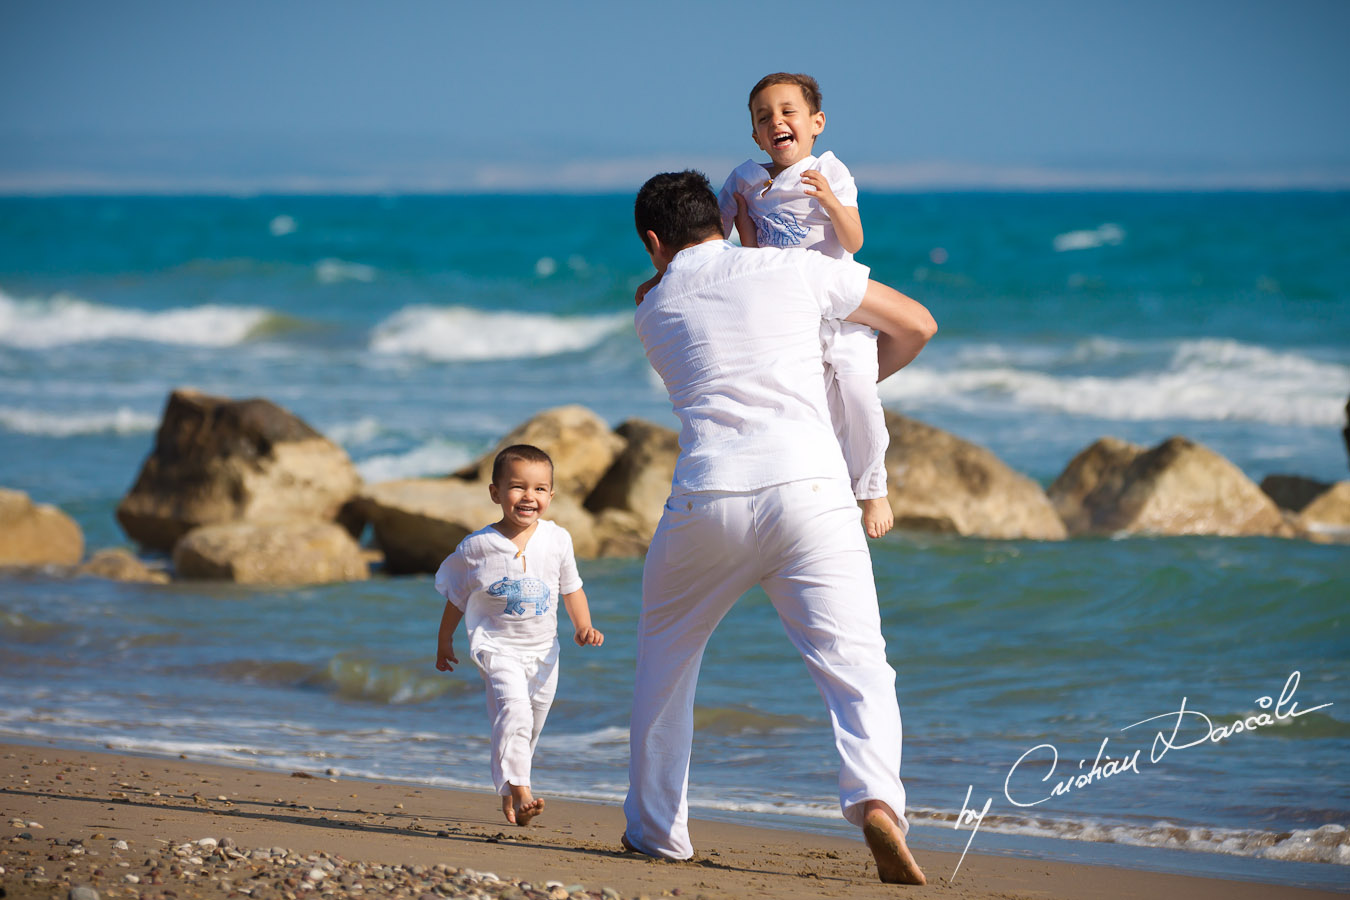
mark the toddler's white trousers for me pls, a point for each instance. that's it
(519, 695)
(803, 542)
(850, 353)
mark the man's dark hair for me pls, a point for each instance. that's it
(810, 90)
(522, 452)
(680, 207)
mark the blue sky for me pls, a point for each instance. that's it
(593, 96)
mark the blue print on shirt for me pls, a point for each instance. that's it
(521, 591)
(780, 229)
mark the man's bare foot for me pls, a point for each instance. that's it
(521, 806)
(877, 516)
(895, 864)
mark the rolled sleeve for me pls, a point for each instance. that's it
(838, 285)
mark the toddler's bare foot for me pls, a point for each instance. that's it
(877, 516)
(895, 864)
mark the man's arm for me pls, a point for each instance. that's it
(904, 323)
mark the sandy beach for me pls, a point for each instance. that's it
(119, 825)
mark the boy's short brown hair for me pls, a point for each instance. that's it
(522, 452)
(810, 90)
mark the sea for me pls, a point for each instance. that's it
(1171, 703)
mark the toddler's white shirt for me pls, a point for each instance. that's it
(510, 598)
(785, 215)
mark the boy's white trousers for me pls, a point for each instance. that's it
(519, 694)
(803, 542)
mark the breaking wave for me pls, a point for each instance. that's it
(62, 319)
(460, 333)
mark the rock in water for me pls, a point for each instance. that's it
(36, 534)
(639, 480)
(1177, 487)
(939, 482)
(581, 445)
(1292, 492)
(119, 565)
(419, 521)
(1327, 518)
(218, 460)
(270, 553)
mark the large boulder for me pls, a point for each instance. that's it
(36, 534)
(938, 482)
(217, 460)
(418, 522)
(638, 482)
(582, 447)
(1327, 517)
(1177, 487)
(273, 553)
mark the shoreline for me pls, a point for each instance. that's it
(154, 803)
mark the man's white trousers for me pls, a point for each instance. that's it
(803, 542)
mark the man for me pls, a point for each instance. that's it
(760, 496)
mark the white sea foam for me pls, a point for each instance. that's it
(333, 271)
(1327, 844)
(1200, 380)
(460, 333)
(362, 431)
(1087, 239)
(282, 225)
(63, 319)
(52, 424)
(433, 458)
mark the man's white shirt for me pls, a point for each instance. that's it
(733, 333)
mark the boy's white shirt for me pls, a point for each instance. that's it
(499, 589)
(786, 215)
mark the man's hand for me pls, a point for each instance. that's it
(745, 226)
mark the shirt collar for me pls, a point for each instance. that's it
(693, 256)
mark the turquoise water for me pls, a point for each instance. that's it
(415, 331)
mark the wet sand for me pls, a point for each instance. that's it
(133, 827)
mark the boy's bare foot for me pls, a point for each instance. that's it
(895, 864)
(877, 516)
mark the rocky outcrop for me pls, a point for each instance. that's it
(274, 553)
(939, 482)
(36, 534)
(638, 482)
(217, 460)
(1327, 517)
(418, 522)
(120, 565)
(1292, 492)
(582, 447)
(1177, 487)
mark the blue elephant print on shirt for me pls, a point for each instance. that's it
(780, 229)
(518, 592)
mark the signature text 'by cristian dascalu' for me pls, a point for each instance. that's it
(1198, 728)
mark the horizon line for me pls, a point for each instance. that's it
(626, 175)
